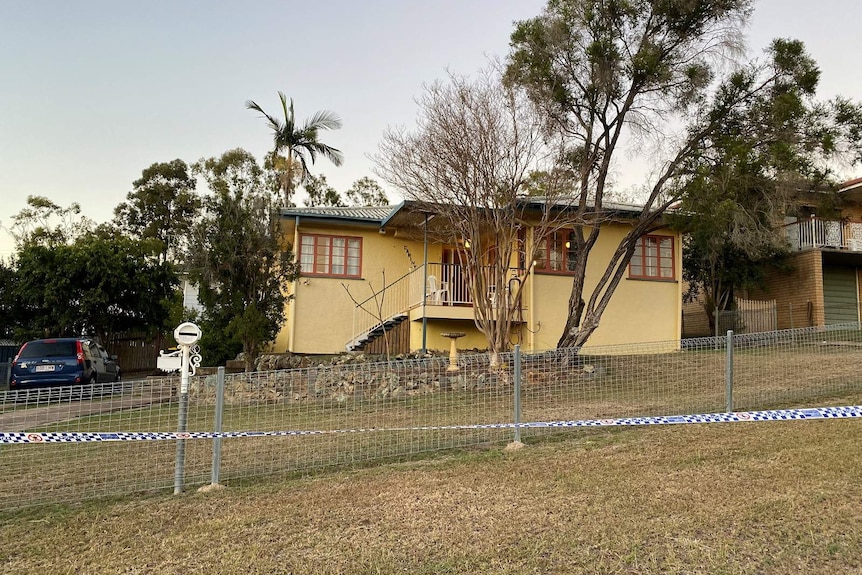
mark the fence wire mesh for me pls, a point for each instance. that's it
(383, 411)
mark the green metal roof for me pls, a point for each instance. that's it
(368, 214)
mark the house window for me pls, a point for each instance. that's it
(653, 258)
(556, 253)
(338, 256)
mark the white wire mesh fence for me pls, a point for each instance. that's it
(363, 412)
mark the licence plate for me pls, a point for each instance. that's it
(40, 368)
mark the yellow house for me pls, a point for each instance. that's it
(372, 271)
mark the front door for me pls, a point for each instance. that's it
(455, 276)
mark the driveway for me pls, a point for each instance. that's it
(38, 417)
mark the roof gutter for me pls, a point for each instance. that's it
(392, 214)
(334, 220)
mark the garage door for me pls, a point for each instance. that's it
(839, 295)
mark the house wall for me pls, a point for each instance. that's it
(320, 315)
(852, 213)
(473, 338)
(639, 310)
(798, 294)
(190, 296)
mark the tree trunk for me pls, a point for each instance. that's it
(249, 355)
(573, 321)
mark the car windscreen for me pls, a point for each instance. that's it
(48, 349)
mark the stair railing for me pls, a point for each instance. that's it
(388, 302)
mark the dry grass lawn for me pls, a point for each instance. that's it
(781, 497)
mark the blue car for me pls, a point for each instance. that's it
(62, 361)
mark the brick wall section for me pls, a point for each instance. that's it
(793, 291)
(695, 322)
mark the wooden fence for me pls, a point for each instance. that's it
(750, 316)
(136, 352)
(399, 341)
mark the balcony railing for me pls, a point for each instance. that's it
(815, 233)
(448, 285)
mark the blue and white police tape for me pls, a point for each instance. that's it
(844, 412)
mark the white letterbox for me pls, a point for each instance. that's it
(187, 334)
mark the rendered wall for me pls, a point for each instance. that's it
(320, 317)
(639, 310)
(434, 341)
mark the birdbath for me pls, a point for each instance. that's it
(453, 352)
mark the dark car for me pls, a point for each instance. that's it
(62, 361)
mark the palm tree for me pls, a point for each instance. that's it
(296, 145)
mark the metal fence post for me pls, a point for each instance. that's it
(518, 393)
(186, 335)
(216, 470)
(728, 372)
(182, 420)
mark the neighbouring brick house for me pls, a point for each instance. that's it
(823, 282)
(695, 322)
(824, 286)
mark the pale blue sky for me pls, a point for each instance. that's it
(92, 92)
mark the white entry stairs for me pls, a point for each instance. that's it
(376, 331)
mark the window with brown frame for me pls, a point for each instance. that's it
(337, 256)
(556, 253)
(653, 258)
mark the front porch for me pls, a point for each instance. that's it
(434, 291)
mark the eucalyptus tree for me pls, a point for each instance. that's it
(46, 223)
(608, 74)
(320, 193)
(162, 205)
(366, 192)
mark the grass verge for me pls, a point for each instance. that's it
(720, 498)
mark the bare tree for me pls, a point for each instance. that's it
(469, 162)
